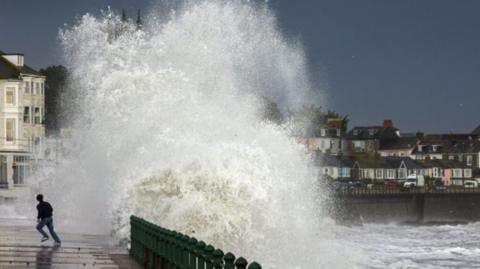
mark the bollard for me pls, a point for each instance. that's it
(229, 259)
(241, 263)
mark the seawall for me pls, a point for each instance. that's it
(418, 208)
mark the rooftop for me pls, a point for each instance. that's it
(10, 71)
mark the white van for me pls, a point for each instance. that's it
(470, 184)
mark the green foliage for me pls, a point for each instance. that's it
(270, 111)
(309, 119)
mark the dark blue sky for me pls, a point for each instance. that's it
(416, 62)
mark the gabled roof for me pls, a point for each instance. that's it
(396, 162)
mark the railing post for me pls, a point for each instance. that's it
(229, 259)
(254, 265)
(185, 252)
(209, 256)
(193, 255)
(178, 249)
(241, 263)
(201, 254)
(217, 259)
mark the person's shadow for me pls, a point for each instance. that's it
(44, 256)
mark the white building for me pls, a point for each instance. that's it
(22, 110)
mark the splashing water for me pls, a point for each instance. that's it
(167, 127)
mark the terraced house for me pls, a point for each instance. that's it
(22, 131)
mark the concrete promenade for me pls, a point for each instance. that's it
(20, 247)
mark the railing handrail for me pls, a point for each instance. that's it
(156, 247)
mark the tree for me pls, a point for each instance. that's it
(344, 118)
(309, 119)
(56, 77)
(139, 21)
(124, 16)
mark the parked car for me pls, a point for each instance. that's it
(438, 185)
(410, 183)
(470, 184)
(391, 184)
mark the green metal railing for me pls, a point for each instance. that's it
(155, 247)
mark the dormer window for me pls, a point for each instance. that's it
(356, 132)
(372, 132)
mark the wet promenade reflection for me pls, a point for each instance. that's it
(20, 247)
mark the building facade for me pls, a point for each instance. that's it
(22, 110)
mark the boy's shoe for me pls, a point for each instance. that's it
(45, 238)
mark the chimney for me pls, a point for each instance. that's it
(14, 58)
(387, 123)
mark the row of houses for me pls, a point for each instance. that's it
(22, 130)
(381, 169)
(386, 141)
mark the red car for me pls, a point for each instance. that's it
(392, 184)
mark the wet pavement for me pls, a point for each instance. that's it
(20, 247)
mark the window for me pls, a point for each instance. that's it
(457, 173)
(460, 158)
(390, 174)
(37, 88)
(451, 157)
(344, 172)
(322, 132)
(42, 88)
(10, 96)
(20, 170)
(359, 146)
(366, 173)
(10, 130)
(379, 173)
(402, 173)
(3, 172)
(32, 88)
(436, 172)
(322, 144)
(467, 173)
(27, 87)
(37, 115)
(26, 114)
(469, 160)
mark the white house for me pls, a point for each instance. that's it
(22, 110)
